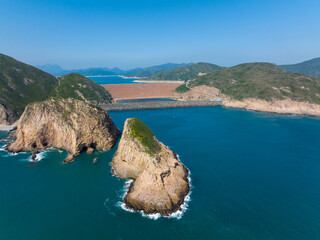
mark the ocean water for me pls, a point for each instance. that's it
(112, 80)
(254, 176)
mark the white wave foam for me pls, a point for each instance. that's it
(3, 148)
(154, 216)
(39, 157)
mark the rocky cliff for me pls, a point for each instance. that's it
(160, 180)
(283, 106)
(64, 124)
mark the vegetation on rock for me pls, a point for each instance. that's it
(79, 87)
(143, 133)
(262, 81)
(21, 84)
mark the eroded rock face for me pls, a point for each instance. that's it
(64, 124)
(160, 180)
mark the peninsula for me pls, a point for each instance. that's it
(256, 86)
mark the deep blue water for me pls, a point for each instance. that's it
(112, 80)
(254, 176)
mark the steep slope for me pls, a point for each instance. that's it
(160, 181)
(147, 72)
(310, 67)
(79, 87)
(65, 124)
(185, 73)
(21, 84)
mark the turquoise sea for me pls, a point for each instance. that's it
(112, 80)
(254, 176)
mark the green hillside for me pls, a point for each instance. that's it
(21, 84)
(79, 87)
(311, 67)
(261, 80)
(149, 71)
(185, 73)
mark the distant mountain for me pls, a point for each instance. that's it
(310, 67)
(185, 73)
(56, 70)
(131, 71)
(262, 81)
(53, 69)
(21, 84)
(149, 71)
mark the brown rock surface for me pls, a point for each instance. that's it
(160, 180)
(64, 124)
(284, 106)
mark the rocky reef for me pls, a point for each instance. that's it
(67, 124)
(160, 181)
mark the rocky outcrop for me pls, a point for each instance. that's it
(284, 106)
(160, 181)
(64, 124)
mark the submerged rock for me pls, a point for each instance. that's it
(160, 180)
(64, 124)
(70, 158)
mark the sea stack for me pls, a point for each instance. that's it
(160, 181)
(67, 124)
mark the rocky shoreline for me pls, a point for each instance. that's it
(67, 124)
(284, 106)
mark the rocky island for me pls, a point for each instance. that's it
(68, 124)
(160, 181)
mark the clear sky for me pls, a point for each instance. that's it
(132, 33)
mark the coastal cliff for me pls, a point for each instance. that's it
(160, 181)
(67, 124)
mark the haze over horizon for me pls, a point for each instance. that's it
(129, 34)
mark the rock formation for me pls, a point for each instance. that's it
(283, 106)
(64, 124)
(160, 180)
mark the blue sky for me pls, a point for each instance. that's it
(127, 34)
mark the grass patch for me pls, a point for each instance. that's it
(181, 89)
(141, 131)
